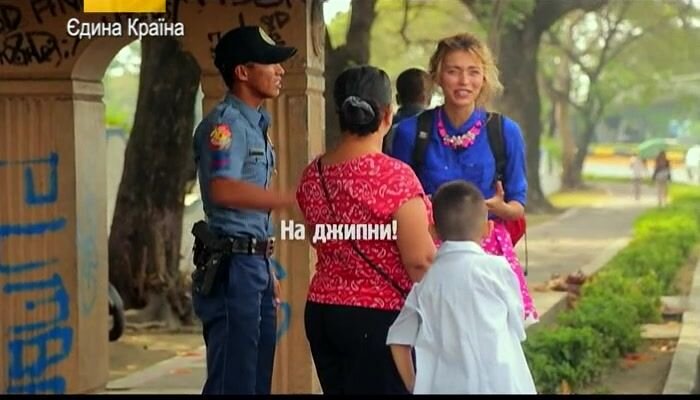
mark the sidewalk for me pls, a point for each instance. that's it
(584, 238)
(580, 239)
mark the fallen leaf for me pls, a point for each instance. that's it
(564, 388)
(180, 371)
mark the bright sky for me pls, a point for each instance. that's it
(332, 7)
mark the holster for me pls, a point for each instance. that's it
(208, 253)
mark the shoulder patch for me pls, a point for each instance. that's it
(220, 138)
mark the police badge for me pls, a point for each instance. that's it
(220, 137)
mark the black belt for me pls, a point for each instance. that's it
(252, 246)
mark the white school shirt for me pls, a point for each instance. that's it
(465, 321)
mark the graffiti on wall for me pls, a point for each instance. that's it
(19, 47)
(42, 337)
(39, 45)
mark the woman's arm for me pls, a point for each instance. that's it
(515, 180)
(416, 246)
(510, 197)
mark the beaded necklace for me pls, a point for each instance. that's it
(458, 142)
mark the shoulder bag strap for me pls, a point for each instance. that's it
(396, 287)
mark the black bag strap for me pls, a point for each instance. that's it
(494, 130)
(388, 140)
(424, 125)
(396, 287)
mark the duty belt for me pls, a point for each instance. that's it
(252, 246)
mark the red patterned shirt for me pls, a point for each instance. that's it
(365, 190)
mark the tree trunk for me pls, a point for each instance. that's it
(569, 151)
(563, 118)
(144, 243)
(355, 51)
(576, 171)
(521, 100)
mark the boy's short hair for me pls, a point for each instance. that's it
(413, 86)
(459, 211)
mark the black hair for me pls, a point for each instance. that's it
(361, 94)
(459, 211)
(412, 86)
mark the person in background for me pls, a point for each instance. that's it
(639, 172)
(464, 319)
(413, 92)
(414, 89)
(360, 283)
(662, 176)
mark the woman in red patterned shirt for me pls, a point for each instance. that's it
(360, 285)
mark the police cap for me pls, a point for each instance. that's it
(249, 44)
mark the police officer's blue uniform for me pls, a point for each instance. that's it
(239, 315)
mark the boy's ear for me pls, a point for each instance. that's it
(432, 231)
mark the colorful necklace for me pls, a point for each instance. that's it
(458, 142)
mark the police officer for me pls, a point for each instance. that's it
(235, 161)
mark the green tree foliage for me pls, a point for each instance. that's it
(648, 61)
(405, 32)
(121, 83)
(620, 57)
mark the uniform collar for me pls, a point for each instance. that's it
(257, 117)
(462, 246)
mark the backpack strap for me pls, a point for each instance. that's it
(423, 129)
(494, 129)
(388, 140)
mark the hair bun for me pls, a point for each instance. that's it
(357, 110)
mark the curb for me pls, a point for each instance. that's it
(557, 300)
(684, 375)
(566, 214)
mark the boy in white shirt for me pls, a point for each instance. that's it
(464, 318)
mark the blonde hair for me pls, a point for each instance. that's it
(471, 44)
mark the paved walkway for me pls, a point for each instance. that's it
(583, 238)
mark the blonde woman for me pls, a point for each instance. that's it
(457, 146)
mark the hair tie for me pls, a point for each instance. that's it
(367, 114)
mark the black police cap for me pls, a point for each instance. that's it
(249, 44)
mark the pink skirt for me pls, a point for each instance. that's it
(499, 244)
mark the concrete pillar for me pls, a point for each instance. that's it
(298, 135)
(53, 254)
(53, 245)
